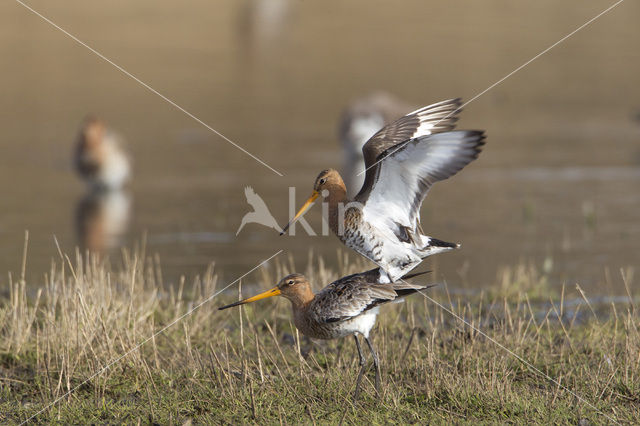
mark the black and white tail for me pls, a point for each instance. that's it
(434, 246)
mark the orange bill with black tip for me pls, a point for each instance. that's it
(303, 210)
(269, 293)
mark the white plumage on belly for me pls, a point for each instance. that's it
(362, 324)
(116, 167)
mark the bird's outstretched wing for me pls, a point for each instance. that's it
(407, 174)
(435, 118)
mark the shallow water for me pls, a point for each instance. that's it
(559, 178)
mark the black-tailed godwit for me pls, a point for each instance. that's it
(403, 160)
(99, 156)
(346, 307)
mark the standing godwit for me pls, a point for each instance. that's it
(403, 161)
(348, 306)
(99, 156)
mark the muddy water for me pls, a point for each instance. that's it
(559, 180)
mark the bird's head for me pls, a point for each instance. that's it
(92, 131)
(294, 287)
(328, 181)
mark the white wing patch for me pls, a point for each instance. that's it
(432, 115)
(406, 175)
(423, 130)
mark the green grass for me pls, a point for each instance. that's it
(250, 366)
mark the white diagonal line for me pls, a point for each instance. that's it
(162, 330)
(146, 86)
(515, 355)
(509, 75)
(501, 346)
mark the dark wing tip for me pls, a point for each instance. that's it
(458, 103)
(403, 292)
(477, 140)
(415, 274)
(482, 140)
(480, 134)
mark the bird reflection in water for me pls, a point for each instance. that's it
(103, 213)
(102, 219)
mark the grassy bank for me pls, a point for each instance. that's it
(250, 366)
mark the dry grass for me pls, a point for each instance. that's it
(251, 366)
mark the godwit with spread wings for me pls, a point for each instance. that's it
(403, 161)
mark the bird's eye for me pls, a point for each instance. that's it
(323, 181)
(290, 282)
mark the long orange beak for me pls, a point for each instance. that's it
(314, 195)
(269, 293)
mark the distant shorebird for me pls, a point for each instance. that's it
(360, 120)
(260, 213)
(99, 156)
(403, 161)
(262, 23)
(348, 306)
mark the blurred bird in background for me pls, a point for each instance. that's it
(102, 214)
(99, 157)
(360, 120)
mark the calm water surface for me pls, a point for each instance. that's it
(559, 178)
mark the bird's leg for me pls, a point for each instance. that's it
(362, 367)
(376, 364)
